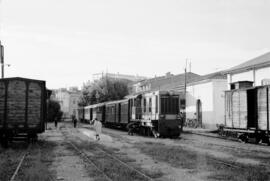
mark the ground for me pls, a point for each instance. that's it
(67, 153)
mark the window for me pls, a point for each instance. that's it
(182, 103)
(169, 104)
(150, 105)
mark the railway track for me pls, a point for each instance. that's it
(100, 170)
(85, 156)
(227, 164)
(139, 174)
(19, 166)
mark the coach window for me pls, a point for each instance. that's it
(150, 105)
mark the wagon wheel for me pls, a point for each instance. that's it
(257, 140)
(4, 140)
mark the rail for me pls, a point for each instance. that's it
(84, 155)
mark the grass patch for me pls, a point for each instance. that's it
(113, 168)
(36, 164)
(10, 158)
(197, 163)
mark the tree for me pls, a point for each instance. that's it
(105, 89)
(54, 111)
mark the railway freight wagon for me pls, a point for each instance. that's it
(247, 113)
(22, 108)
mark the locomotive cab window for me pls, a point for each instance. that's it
(169, 105)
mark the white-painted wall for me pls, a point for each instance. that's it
(260, 74)
(219, 87)
(248, 76)
(204, 92)
(211, 94)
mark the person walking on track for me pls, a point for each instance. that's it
(74, 121)
(97, 127)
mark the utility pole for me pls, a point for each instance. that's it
(2, 59)
(185, 97)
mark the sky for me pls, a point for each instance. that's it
(65, 42)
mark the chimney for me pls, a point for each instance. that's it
(168, 74)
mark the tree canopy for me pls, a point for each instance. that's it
(54, 111)
(105, 89)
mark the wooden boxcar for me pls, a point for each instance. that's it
(247, 113)
(22, 107)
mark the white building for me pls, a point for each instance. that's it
(256, 70)
(68, 100)
(205, 99)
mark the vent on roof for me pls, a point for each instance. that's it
(168, 74)
(241, 85)
(265, 81)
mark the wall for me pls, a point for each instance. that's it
(219, 87)
(204, 92)
(260, 74)
(242, 76)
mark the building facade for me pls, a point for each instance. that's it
(167, 82)
(118, 76)
(205, 100)
(68, 99)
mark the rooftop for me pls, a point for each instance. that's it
(258, 62)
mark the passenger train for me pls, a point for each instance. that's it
(156, 112)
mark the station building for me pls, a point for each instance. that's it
(205, 100)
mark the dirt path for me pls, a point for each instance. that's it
(245, 155)
(126, 147)
(67, 164)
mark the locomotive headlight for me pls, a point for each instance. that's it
(162, 116)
